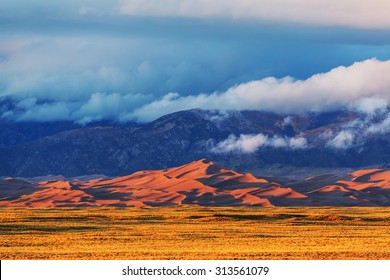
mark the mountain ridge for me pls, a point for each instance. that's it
(185, 136)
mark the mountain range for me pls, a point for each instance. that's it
(246, 141)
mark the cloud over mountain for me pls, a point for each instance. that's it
(250, 143)
(363, 86)
(367, 81)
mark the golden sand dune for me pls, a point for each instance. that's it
(373, 178)
(203, 183)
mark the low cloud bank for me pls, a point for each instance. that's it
(373, 122)
(362, 87)
(357, 132)
(249, 143)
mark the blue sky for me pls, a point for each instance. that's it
(137, 60)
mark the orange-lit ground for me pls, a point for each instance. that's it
(195, 233)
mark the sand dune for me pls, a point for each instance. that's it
(201, 182)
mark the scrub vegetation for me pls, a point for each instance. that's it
(195, 233)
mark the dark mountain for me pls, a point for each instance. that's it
(12, 133)
(182, 137)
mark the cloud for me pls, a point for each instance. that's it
(363, 87)
(100, 106)
(287, 121)
(249, 143)
(355, 13)
(217, 116)
(353, 134)
(372, 121)
(245, 144)
(381, 127)
(297, 143)
(69, 54)
(341, 87)
(370, 105)
(31, 109)
(343, 140)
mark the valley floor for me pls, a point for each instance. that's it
(195, 233)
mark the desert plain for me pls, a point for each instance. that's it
(195, 232)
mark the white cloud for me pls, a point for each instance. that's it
(108, 106)
(49, 112)
(374, 121)
(355, 13)
(249, 143)
(381, 127)
(245, 144)
(370, 105)
(341, 87)
(298, 143)
(217, 117)
(352, 134)
(343, 140)
(287, 121)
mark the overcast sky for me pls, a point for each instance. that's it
(126, 60)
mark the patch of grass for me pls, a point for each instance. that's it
(260, 217)
(150, 218)
(196, 217)
(23, 228)
(376, 219)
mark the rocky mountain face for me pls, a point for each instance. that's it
(240, 140)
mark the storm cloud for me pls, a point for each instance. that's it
(137, 60)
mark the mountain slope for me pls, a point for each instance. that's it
(185, 136)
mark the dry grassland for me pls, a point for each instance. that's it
(195, 233)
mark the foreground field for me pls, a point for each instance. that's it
(195, 233)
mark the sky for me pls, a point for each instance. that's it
(136, 60)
